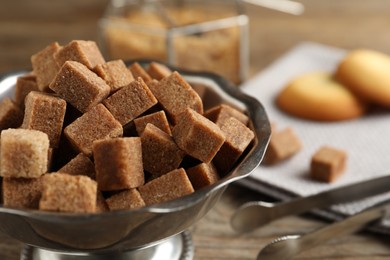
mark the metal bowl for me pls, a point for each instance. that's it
(144, 227)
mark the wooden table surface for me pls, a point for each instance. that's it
(28, 26)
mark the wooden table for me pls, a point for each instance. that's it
(28, 26)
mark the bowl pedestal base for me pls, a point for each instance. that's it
(178, 247)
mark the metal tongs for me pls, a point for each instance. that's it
(252, 215)
(256, 214)
(285, 247)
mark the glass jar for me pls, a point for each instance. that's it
(195, 35)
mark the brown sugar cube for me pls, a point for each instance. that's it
(118, 163)
(198, 136)
(158, 71)
(46, 113)
(130, 101)
(44, 65)
(24, 153)
(169, 186)
(159, 151)
(79, 86)
(158, 119)
(11, 116)
(127, 199)
(202, 175)
(24, 85)
(222, 112)
(138, 71)
(238, 138)
(101, 204)
(98, 123)
(79, 165)
(283, 145)
(22, 192)
(85, 52)
(62, 192)
(327, 164)
(176, 95)
(115, 73)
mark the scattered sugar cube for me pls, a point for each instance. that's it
(283, 145)
(327, 164)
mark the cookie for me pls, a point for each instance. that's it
(367, 74)
(318, 96)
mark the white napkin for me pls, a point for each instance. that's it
(366, 140)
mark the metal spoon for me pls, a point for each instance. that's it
(255, 214)
(288, 246)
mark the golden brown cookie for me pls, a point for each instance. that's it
(367, 74)
(318, 96)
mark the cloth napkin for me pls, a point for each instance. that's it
(366, 139)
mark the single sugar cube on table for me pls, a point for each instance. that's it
(327, 164)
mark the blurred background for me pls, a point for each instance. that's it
(28, 26)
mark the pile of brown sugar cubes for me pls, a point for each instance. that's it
(85, 135)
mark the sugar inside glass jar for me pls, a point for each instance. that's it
(197, 35)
